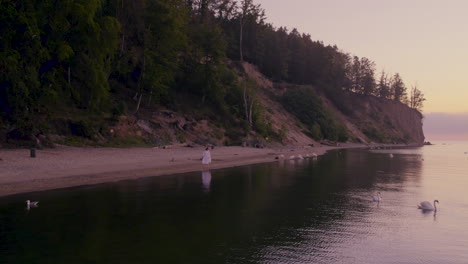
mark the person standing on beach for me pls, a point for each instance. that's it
(206, 159)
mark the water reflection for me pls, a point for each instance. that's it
(206, 179)
(284, 212)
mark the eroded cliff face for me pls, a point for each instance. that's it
(375, 120)
(368, 119)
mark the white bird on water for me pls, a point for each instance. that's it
(390, 155)
(31, 204)
(377, 198)
(427, 206)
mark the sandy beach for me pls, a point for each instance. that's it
(68, 166)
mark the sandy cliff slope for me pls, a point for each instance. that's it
(368, 119)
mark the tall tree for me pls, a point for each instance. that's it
(383, 87)
(355, 75)
(416, 98)
(398, 89)
(296, 68)
(367, 86)
(165, 36)
(248, 14)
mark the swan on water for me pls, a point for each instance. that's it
(427, 206)
(29, 203)
(390, 155)
(377, 198)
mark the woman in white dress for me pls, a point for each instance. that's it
(206, 157)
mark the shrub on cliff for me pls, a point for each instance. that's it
(307, 106)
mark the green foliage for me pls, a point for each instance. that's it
(59, 57)
(315, 131)
(180, 137)
(373, 133)
(204, 72)
(261, 120)
(164, 37)
(120, 109)
(282, 133)
(54, 53)
(303, 102)
(83, 128)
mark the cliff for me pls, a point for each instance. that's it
(350, 117)
(367, 119)
(182, 81)
(371, 119)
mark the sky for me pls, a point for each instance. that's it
(426, 41)
(443, 126)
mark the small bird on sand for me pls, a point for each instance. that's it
(377, 198)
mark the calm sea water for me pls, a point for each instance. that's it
(286, 212)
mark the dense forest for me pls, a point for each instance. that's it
(86, 62)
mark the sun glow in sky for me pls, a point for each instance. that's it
(426, 41)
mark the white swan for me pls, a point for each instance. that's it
(390, 155)
(427, 206)
(377, 198)
(29, 203)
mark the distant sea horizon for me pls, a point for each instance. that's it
(442, 139)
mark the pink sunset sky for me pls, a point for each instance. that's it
(426, 41)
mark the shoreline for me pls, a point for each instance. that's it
(65, 167)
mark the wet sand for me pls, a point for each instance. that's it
(68, 166)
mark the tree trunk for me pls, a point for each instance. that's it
(69, 75)
(240, 38)
(150, 97)
(250, 112)
(139, 84)
(122, 44)
(206, 81)
(203, 10)
(139, 102)
(246, 108)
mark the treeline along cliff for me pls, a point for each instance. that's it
(138, 72)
